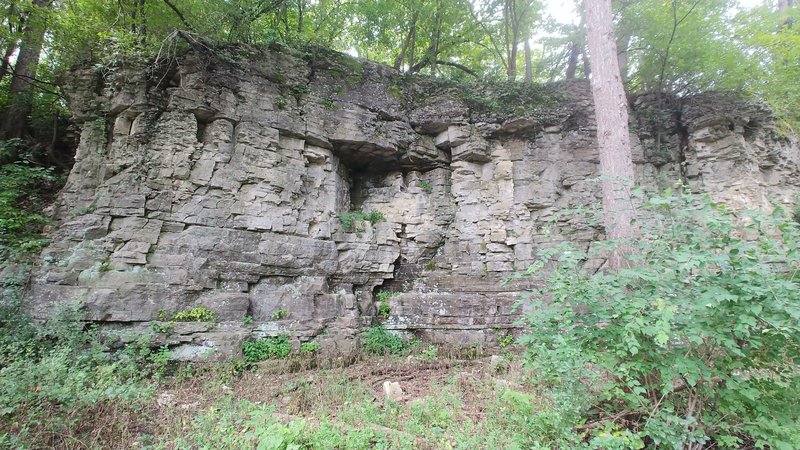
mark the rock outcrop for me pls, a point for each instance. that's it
(231, 179)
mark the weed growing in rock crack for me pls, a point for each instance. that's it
(196, 314)
(426, 186)
(276, 347)
(384, 309)
(104, 266)
(378, 340)
(281, 313)
(383, 303)
(353, 220)
(248, 320)
(309, 348)
(281, 102)
(163, 327)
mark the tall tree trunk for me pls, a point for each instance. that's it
(300, 12)
(784, 5)
(512, 62)
(5, 65)
(572, 60)
(15, 115)
(611, 111)
(528, 63)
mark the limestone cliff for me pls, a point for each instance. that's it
(221, 177)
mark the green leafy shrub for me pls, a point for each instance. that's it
(430, 353)
(22, 187)
(57, 377)
(379, 341)
(383, 303)
(696, 344)
(426, 186)
(384, 309)
(309, 348)
(282, 313)
(353, 220)
(276, 347)
(197, 314)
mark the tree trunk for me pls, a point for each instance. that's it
(784, 5)
(15, 115)
(572, 60)
(512, 62)
(611, 112)
(6, 63)
(12, 44)
(528, 63)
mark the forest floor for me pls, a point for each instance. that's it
(445, 403)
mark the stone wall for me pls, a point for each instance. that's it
(219, 179)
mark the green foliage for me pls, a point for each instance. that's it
(430, 353)
(196, 314)
(354, 220)
(241, 424)
(426, 186)
(696, 343)
(384, 309)
(56, 376)
(772, 40)
(22, 186)
(248, 320)
(163, 327)
(276, 347)
(509, 98)
(683, 47)
(309, 348)
(281, 313)
(379, 341)
(281, 102)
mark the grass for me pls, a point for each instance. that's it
(451, 404)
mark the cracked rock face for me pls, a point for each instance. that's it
(208, 183)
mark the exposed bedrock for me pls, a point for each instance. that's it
(223, 183)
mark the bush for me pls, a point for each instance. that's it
(379, 341)
(198, 314)
(22, 186)
(309, 348)
(384, 309)
(353, 221)
(55, 379)
(695, 345)
(276, 347)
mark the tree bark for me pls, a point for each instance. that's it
(611, 112)
(572, 60)
(15, 114)
(12, 44)
(528, 63)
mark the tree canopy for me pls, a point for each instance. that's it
(676, 47)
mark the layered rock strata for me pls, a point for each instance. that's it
(231, 179)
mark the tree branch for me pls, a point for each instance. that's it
(180, 15)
